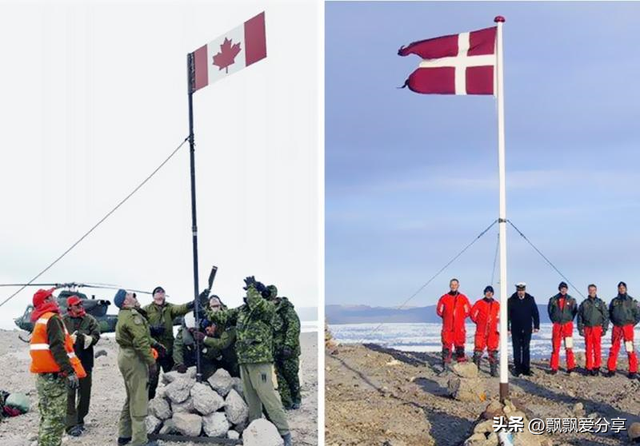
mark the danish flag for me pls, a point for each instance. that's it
(458, 64)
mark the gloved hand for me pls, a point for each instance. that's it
(262, 289)
(157, 330)
(74, 337)
(204, 295)
(248, 281)
(87, 340)
(191, 305)
(181, 368)
(162, 352)
(287, 352)
(153, 369)
(72, 381)
(198, 335)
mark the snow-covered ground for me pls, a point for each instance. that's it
(426, 337)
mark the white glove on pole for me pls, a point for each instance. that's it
(74, 336)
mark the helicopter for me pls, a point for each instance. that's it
(95, 307)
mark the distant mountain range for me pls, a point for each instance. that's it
(364, 314)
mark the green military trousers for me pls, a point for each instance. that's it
(52, 401)
(76, 413)
(259, 391)
(136, 378)
(288, 381)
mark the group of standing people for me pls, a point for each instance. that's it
(593, 319)
(255, 341)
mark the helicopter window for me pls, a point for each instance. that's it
(27, 313)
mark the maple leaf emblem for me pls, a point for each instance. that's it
(227, 54)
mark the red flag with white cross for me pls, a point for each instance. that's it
(459, 64)
(230, 53)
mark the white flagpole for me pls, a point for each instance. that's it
(502, 222)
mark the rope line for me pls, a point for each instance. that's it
(438, 273)
(97, 224)
(546, 259)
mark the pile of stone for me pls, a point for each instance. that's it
(484, 433)
(465, 385)
(212, 408)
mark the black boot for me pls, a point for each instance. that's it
(493, 363)
(477, 357)
(460, 354)
(446, 358)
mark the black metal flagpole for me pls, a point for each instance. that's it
(191, 70)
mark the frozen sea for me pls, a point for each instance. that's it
(426, 337)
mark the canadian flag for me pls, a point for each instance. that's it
(458, 64)
(231, 52)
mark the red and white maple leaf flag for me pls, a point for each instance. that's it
(231, 52)
(458, 64)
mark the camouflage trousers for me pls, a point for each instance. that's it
(52, 401)
(288, 381)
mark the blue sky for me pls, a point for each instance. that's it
(411, 179)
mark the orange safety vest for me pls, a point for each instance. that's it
(41, 357)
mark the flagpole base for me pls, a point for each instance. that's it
(504, 391)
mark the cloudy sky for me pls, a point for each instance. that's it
(411, 179)
(94, 98)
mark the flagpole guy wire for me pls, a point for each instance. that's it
(137, 188)
(439, 272)
(545, 258)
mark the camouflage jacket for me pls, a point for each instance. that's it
(132, 332)
(252, 321)
(286, 327)
(163, 315)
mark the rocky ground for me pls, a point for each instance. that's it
(108, 396)
(379, 396)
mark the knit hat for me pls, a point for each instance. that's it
(119, 298)
(563, 285)
(41, 295)
(73, 300)
(623, 284)
(488, 288)
(156, 289)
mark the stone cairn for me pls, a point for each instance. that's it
(212, 408)
(485, 435)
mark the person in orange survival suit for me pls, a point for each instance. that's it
(56, 365)
(486, 314)
(453, 308)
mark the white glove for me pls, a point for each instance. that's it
(74, 336)
(87, 341)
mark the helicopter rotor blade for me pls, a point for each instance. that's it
(29, 284)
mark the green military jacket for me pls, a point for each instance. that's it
(286, 327)
(164, 316)
(132, 332)
(623, 310)
(593, 312)
(86, 326)
(252, 321)
(212, 347)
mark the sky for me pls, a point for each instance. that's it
(411, 179)
(94, 99)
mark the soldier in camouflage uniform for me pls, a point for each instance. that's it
(184, 349)
(286, 345)
(136, 363)
(254, 346)
(160, 315)
(55, 364)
